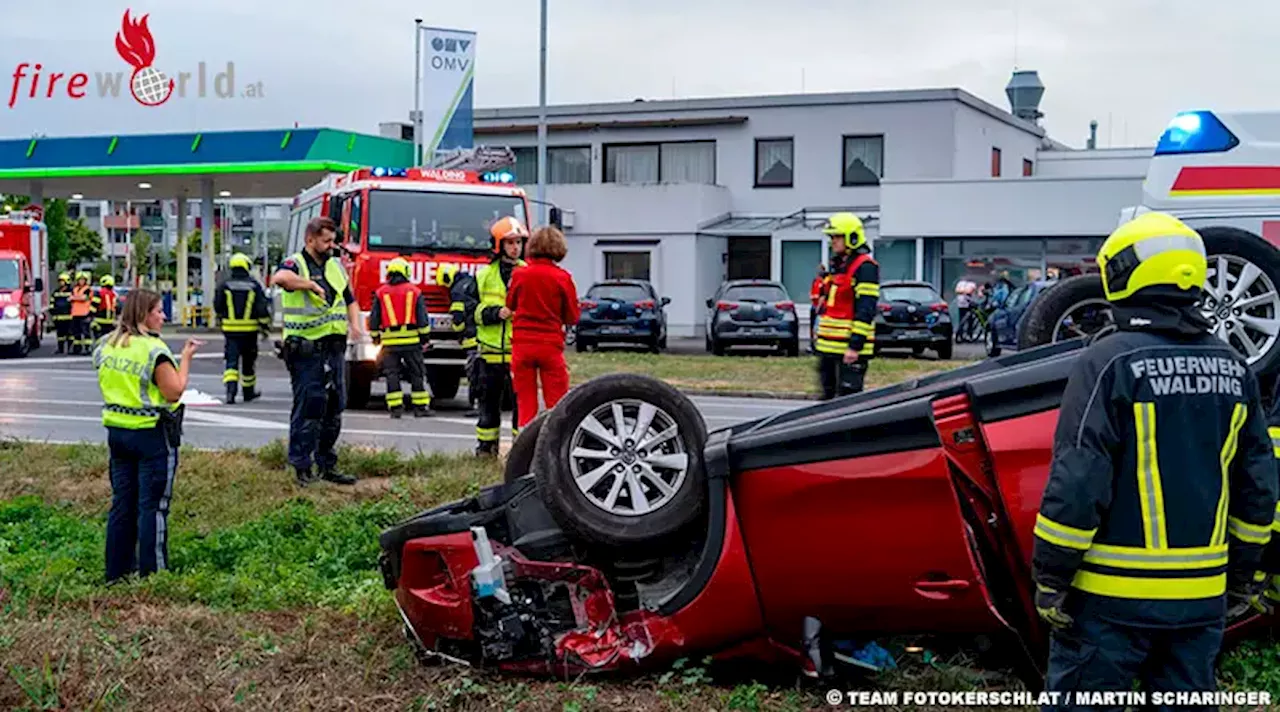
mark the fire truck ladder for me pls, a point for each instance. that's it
(479, 159)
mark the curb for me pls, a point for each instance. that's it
(762, 395)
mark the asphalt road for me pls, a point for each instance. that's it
(55, 398)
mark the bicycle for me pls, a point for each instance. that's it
(973, 327)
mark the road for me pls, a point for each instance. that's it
(55, 398)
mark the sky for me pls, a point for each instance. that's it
(1129, 64)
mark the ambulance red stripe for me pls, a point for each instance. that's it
(1227, 178)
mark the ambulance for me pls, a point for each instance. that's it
(23, 264)
(432, 217)
(1220, 173)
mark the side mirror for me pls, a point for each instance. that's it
(39, 285)
(710, 302)
(666, 301)
(557, 217)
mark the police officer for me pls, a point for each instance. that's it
(141, 383)
(1162, 486)
(319, 314)
(61, 312)
(463, 299)
(104, 307)
(241, 305)
(846, 326)
(493, 331)
(398, 321)
(81, 314)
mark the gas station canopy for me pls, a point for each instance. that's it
(275, 163)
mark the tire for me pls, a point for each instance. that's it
(520, 458)
(582, 516)
(444, 382)
(360, 380)
(1040, 322)
(662, 342)
(580, 346)
(945, 351)
(992, 342)
(717, 348)
(917, 350)
(793, 348)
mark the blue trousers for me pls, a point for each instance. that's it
(319, 397)
(142, 470)
(1097, 655)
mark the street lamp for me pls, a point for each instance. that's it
(542, 116)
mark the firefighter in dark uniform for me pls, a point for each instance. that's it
(493, 331)
(241, 305)
(81, 314)
(61, 312)
(105, 304)
(463, 299)
(398, 321)
(1162, 487)
(1271, 555)
(846, 323)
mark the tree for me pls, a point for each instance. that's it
(141, 256)
(55, 219)
(83, 244)
(13, 202)
(195, 244)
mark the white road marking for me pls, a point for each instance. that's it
(77, 359)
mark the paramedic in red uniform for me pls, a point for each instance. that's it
(543, 300)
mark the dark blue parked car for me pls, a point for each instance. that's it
(752, 312)
(622, 311)
(1002, 327)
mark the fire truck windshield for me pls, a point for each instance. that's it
(9, 274)
(403, 219)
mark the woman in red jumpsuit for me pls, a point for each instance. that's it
(543, 301)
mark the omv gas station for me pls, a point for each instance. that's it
(183, 166)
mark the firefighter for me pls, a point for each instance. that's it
(399, 322)
(463, 298)
(1162, 487)
(817, 290)
(1271, 555)
(846, 326)
(104, 307)
(320, 314)
(81, 314)
(61, 312)
(241, 305)
(493, 331)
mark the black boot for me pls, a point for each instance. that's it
(251, 394)
(303, 477)
(231, 393)
(423, 411)
(487, 449)
(396, 412)
(337, 478)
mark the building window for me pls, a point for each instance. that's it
(676, 162)
(526, 168)
(565, 164)
(93, 211)
(775, 162)
(627, 265)
(863, 160)
(995, 162)
(1028, 167)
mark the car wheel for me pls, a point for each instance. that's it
(444, 381)
(917, 350)
(717, 348)
(359, 385)
(520, 457)
(793, 348)
(992, 342)
(945, 351)
(662, 342)
(580, 346)
(655, 347)
(1073, 308)
(619, 462)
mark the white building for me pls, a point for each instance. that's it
(689, 193)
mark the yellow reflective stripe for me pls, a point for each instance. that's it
(867, 290)
(1165, 589)
(1251, 533)
(1063, 535)
(862, 327)
(1224, 463)
(486, 434)
(230, 375)
(1275, 522)
(1150, 493)
(420, 398)
(1177, 559)
(1275, 440)
(395, 399)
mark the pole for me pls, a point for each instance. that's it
(542, 116)
(417, 92)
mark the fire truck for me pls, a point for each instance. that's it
(23, 264)
(431, 216)
(1219, 172)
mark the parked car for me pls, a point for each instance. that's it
(752, 312)
(622, 311)
(913, 315)
(637, 539)
(1004, 322)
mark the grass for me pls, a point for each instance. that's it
(273, 601)
(772, 375)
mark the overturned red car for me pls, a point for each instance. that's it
(637, 538)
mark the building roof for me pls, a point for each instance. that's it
(491, 116)
(258, 163)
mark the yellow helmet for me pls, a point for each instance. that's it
(107, 280)
(240, 260)
(64, 277)
(398, 266)
(446, 274)
(83, 275)
(848, 225)
(1153, 249)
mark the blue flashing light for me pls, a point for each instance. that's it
(383, 172)
(498, 177)
(1196, 132)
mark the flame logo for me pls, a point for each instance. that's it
(135, 45)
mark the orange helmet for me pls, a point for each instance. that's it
(506, 228)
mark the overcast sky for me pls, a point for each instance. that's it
(1131, 64)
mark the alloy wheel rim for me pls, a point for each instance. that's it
(627, 458)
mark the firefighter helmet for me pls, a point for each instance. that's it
(107, 280)
(849, 226)
(446, 274)
(398, 266)
(64, 277)
(1154, 249)
(240, 260)
(507, 228)
(83, 275)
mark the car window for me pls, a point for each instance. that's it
(756, 293)
(910, 293)
(619, 292)
(1019, 296)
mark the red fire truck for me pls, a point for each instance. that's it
(23, 264)
(431, 216)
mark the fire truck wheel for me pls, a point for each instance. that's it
(444, 382)
(359, 384)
